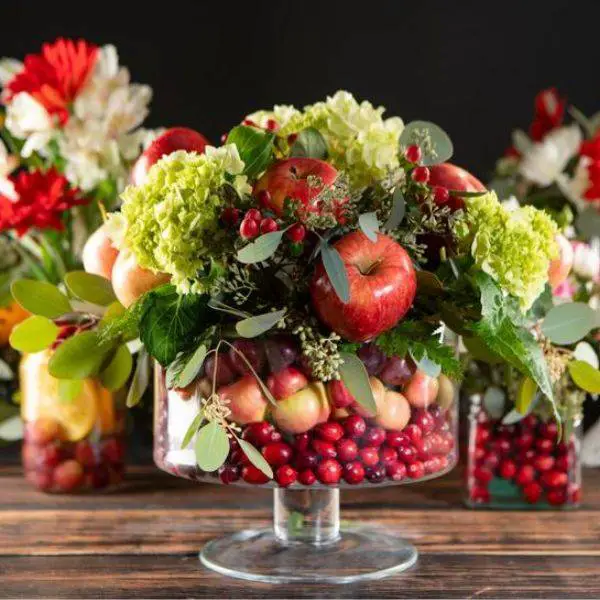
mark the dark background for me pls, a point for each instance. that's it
(472, 67)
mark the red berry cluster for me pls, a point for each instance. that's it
(254, 224)
(528, 454)
(53, 465)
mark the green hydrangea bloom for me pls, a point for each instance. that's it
(172, 220)
(514, 247)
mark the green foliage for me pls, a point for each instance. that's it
(336, 271)
(355, 377)
(40, 298)
(120, 324)
(432, 139)
(262, 248)
(212, 446)
(309, 144)
(79, 357)
(255, 326)
(255, 148)
(33, 334)
(90, 288)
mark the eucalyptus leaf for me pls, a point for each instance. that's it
(255, 457)
(336, 271)
(191, 367)
(255, 326)
(397, 211)
(12, 429)
(436, 146)
(140, 380)
(428, 366)
(568, 323)
(585, 376)
(369, 225)
(494, 401)
(212, 446)
(115, 375)
(254, 147)
(191, 430)
(262, 248)
(34, 334)
(356, 379)
(309, 144)
(69, 389)
(90, 288)
(584, 351)
(40, 298)
(78, 357)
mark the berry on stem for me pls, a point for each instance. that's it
(420, 175)
(413, 154)
(297, 233)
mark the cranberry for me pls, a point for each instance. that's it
(388, 456)
(252, 352)
(525, 475)
(301, 442)
(353, 472)
(502, 446)
(113, 451)
(355, 426)
(432, 465)
(324, 449)
(524, 441)
(426, 447)
(483, 474)
(490, 460)
(396, 439)
(374, 436)
(532, 492)
(68, 475)
(258, 434)
(254, 215)
(42, 480)
(562, 448)
(415, 470)
(554, 479)
(414, 433)
(420, 175)
(296, 233)
(527, 457)
(478, 453)
(277, 453)
(329, 471)
(548, 431)
(479, 494)
(446, 442)
(543, 462)
(508, 469)
(482, 435)
(557, 497)
(249, 229)
(43, 431)
(563, 463)
(238, 457)
(505, 431)
(268, 225)
(444, 462)
(229, 473)
(369, 455)
(396, 471)
(407, 454)
(99, 477)
(574, 493)
(413, 153)
(373, 358)
(375, 474)
(84, 454)
(307, 477)
(347, 450)
(441, 195)
(286, 475)
(424, 420)
(330, 431)
(250, 474)
(306, 460)
(529, 422)
(226, 372)
(48, 456)
(438, 415)
(276, 436)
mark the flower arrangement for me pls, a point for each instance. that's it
(294, 287)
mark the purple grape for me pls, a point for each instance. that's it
(281, 352)
(253, 352)
(372, 357)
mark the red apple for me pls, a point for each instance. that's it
(246, 401)
(289, 179)
(454, 179)
(99, 255)
(382, 283)
(176, 138)
(393, 412)
(422, 390)
(561, 266)
(286, 382)
(303, 410)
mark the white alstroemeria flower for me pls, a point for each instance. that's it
(543, 163)
(9, 67)
(8, 163)
(27, 119)
(586, 259)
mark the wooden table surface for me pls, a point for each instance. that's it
(142, 542)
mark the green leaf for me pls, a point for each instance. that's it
(140, 380)
(116, 373)
(191, 430)
(356, 379)
(78, 357)
(90, 288)
(568, 323)
(69, 389)
(255, 326)
(588, 222)
(40, 298)
(170, 322)
(309, 144)
(34, 334)
(191, 367)
(584, 351)
(585, 376)
(255, 457)
(425, 364)
(336, 271)
(397, 212)
(494, 401)
(255, 148)
(261, 248)
(434, 142)
(525, 395)
(212, 446)
(369, 224)
(429, 284)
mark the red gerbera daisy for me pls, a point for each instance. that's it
(591, 150)
(549, 113)
(42, 198)
(56, 75)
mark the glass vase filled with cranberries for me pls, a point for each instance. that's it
(74, 440)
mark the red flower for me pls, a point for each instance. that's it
(56, 75)
(591, 150)
(42, 198)
(549, 113)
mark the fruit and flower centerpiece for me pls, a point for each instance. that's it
(295, 288)
(518, 456)
(70, 130)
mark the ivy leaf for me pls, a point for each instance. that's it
(397, 212)
(191, 368)
(585, 376)
(40, 298)
(69, 389)
(34, 334)
(255, 326)
(140, 380)
(369, 224)
(309, 144)
(191, 430)
(90, 288)
(568, 323)
(78, 357)
(356, 379)
(434, 142)
(336, 271)
(254, 147)
(255, 457)
(262, 248)
(116, 373)
(212, 446)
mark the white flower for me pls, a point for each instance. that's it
(27, 119)
(228, 156)
(8, 164)
(586, 259)
(241, 185)
(511, 204)
(116, 228)
(543, 163)
(9, 67)
(281, 114)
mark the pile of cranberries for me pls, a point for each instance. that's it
(528, 454)
(54, 465)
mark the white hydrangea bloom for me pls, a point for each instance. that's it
(281, 114)
(227, 156)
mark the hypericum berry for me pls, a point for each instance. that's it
(254, 215)
(353, 472)
(369, 456)
(264, 199)
(347, 450)
(330, 431)
(297, 233)
(420, 175)
(525, 475)
(396, 471)
(415, 470)
(508, 469)
(554, 479)
(286, 475)
(441, 195)
(229, 473)
(268, 225)
(307, 477)
(249, 229)
(230, 216)
(277, 453)
(355, 426)
(306, 460)
(374, 436)
(329, 471)
(250, 474)
(375, 474)
(413, 154)
(532, 492)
